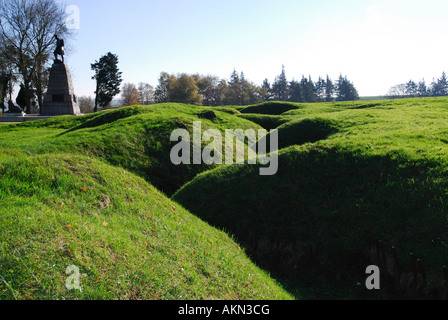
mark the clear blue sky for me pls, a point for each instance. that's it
(375, 43)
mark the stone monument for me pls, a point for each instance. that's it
(60, 98)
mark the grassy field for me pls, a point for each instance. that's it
(350, 174)
(62, 203)
(94, 192)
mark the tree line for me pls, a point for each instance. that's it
(210, 90)
(437, 88)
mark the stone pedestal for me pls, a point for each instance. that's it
(60, 98)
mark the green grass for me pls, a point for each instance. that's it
(128, 240)
(354, 173)
(268, 122)
(136, 138)
(93, 192)
(271, 108)
(75, 191)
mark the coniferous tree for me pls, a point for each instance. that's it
(266, 86)
(443, 85)
(320, 87)
(233, 90)
(245, 90)
(329, 90)
(309, 93)
(345, 90)
(108, 79)
(411, 89)
(422, 89)
(295, 92)
(280, 87)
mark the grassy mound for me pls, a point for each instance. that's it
(379, 175)
(350, 174)
(305, 131)
(128, 240)
(266, 121)
(136, 138)
(271, 108)
(321, 215)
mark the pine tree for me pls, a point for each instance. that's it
(266, 87)
(443, 85)
(245, 90)
(411, 89)
(280, 87)
(320, 86)
(309, 91)
(233, 91)
(422, 89)
(329, 90)
(345, 90)
(296, 92)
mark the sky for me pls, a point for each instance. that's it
(377, 44)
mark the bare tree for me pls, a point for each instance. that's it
(398, 91)
(130, 94)
(86, 104)
(27, 29)
(146, 92)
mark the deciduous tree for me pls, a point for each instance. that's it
(161, 92)
(146, 92)
(27, 29)
(86, 104)
(183, 89)
(130, 94)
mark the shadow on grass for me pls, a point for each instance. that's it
(314, 224)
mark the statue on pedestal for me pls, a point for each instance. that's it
(13, 108)
(60, 98)
(59, 48)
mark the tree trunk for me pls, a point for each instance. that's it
(96, 98)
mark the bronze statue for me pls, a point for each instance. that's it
(13, 108)
(59, 48)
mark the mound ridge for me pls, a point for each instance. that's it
(321, 215)
(350, 174)
(136, 138)
(128, 240)
(271, 108)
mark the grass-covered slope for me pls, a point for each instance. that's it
(372, 172)
(136, 138)
(78, 191)
(270, 108)
(128, 240)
